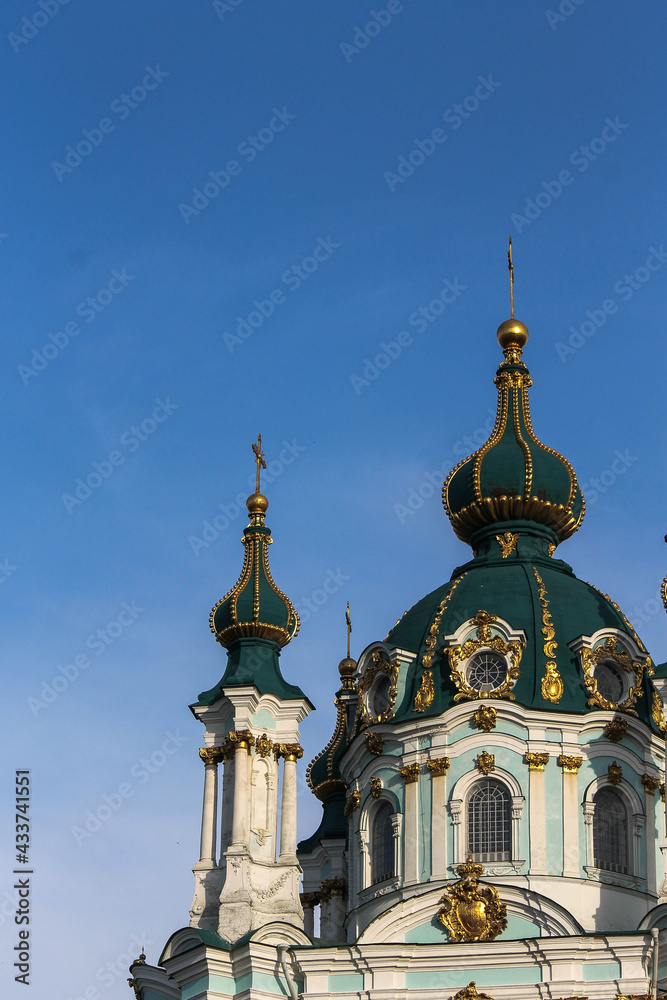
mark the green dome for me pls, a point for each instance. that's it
(534, 594)
(254, 607)
(513, 476)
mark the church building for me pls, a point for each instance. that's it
(493, 797)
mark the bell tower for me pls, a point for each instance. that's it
(251, 720)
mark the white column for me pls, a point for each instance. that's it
(410, 775)
(309, 901)
(571, 861)
(207, 853)
(651, 785)
(227, 810)
(291, 753)
(242, 746)
(537, 812)
(438, 769)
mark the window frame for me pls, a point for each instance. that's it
(636, 821)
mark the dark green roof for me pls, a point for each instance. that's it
(253, 662)
(508, 587)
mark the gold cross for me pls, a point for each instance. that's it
(511, 270)
(259, 459)
(349, 628)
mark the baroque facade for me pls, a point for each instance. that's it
(493, 818)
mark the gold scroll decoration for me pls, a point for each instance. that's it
(552, 682)
(458, 655)
(426, 693)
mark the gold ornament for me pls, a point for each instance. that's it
(536, 761)
(650, 784)
(374, 743)
(662, 791)
(134, 985)
(380, 666)
(485, 718)
(469, 992)
(484, 640)
(507, 542)
(410, 773)
(615, 773)
(569, 764)
(309, 899)
(658, 713)
(438, 766)
(264, 745)
(486, 762)
(551, 548)
(376, 787)
(552, 682)
(616, 729)
(352, 803)
(471, 913)
(426, 692)
(609, 650)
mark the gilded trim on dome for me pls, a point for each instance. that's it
(552, 682)
(426, 692)
(330, 784)
(528, 458)
(551, 451)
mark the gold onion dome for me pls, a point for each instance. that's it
(255, 607)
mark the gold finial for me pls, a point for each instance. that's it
(510, 265)
(259, 458)
(349, 628)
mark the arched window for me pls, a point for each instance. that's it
(490, 822)
(382, 844)
(610, 831)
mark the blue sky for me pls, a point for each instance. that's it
(502, 119)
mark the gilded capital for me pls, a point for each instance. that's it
(438, 767)
(352, 802)
(242, 739)
(536, 761)
(290, 751)
(332, 887)
(263, 745)
(212, 755)
(650, 784)
(410, 773)
(569, 764)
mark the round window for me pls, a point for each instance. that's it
(486, 671)
(610, 681)
(378, 697)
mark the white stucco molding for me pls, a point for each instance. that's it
(551, 919)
